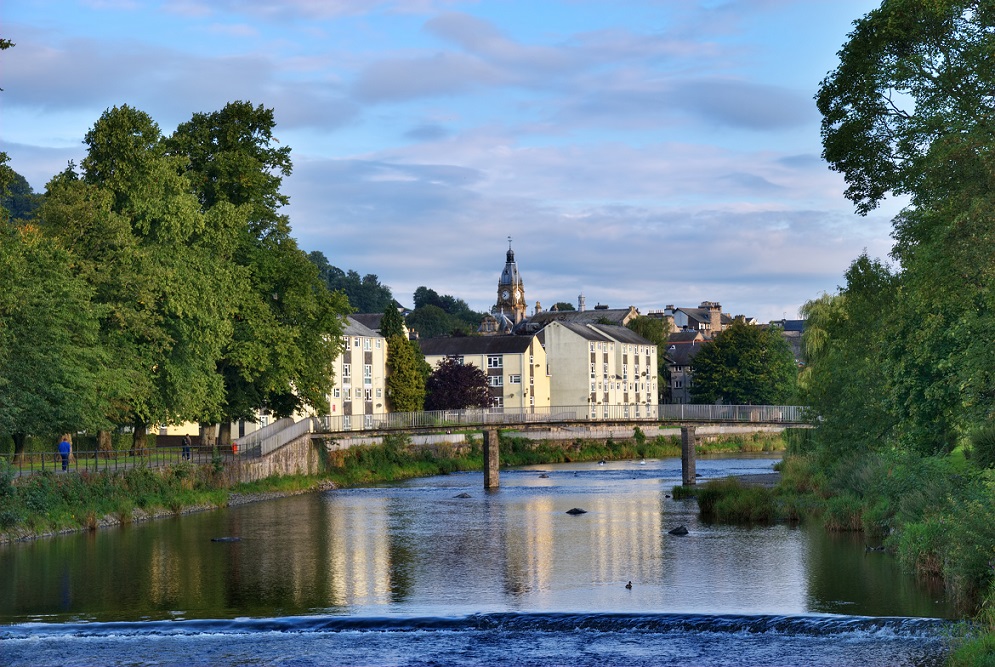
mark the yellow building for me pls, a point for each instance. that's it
(515, 366)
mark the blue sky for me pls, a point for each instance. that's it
(642, 153)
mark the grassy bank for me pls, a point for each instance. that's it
(933, 513)
(50, 503)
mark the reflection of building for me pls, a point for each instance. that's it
(515, 366)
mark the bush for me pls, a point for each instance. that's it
(729, 501)
(844, 513)
(983, 447)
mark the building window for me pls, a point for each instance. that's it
(359, 392)
(379, 392)
(594, 386)
(593, 371)
(347, 339)
(355, 341)
(366, 343)
(346, 422)
(369, 394)
(496, 380)
(346, 371)
(498, 402)
(368, 421)
(592, 346)
(378, 343)
(494, 361)
(368, 374)
(625, 371)
(515, 379)
(336, 392)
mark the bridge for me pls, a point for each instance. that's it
(688, 417)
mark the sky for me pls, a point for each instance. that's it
(638, 152)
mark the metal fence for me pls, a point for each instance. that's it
(103, 461)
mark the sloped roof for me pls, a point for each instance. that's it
(448, 347)
(370, 320)
(682, 354)
(622, 334)
(354, 327)
(616, 316)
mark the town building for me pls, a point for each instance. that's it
(516, 366)
(359, 386)
(682, 347)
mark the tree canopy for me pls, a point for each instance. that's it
(744, 365)
(457, 386)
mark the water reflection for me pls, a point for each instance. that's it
(418, 549)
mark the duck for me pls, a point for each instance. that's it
(629, 585)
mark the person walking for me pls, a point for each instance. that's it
(186, 447)
(65, 449)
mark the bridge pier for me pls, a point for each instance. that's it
(687, 455)
(492, 458)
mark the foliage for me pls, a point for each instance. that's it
(983, 447)
(730, 501)
(19, 199)
(392, 324)
(445, 315)
(365, 294)
(287, 326)
(744, 365)
(456, 386)
(911, 73)
(563, 305)
(407, 371)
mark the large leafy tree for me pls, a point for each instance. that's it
(909, 111)
(457, 386)
(911, 73)
(144, 245)
(652, 330)
(744, 365)
(287, 326)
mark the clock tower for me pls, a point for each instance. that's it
(511, 290)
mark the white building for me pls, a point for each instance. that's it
(359, 387)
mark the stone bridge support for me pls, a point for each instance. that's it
(688, 443)
(492, 458)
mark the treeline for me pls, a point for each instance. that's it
(901, 360)
(157, 282)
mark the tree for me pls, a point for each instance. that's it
(744, 365)
(287, 326)
(392, 324)
(50, 359)
(911, 73)
(406, 375)
(366, 294)
(20, 200)
(563, 305)
(457, 386)
(431, 322)
(144, 244)
(845, 347)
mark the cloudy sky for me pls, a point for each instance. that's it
(641, 152)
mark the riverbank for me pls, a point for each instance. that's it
(49, 504)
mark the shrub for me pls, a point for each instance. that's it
(844, 513)
(983, 447)
(729, 501)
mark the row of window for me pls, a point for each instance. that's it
(624, 386)
(360, 393)
(366, 343)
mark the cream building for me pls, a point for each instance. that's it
(609, 370)
(515, 365)
(359, 388)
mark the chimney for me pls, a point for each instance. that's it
(580, 303)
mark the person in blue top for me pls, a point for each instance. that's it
(65, 449)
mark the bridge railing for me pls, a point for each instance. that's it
(449, 419)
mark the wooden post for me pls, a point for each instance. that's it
(492, 458)
(687, 455)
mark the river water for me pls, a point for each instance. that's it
(437, 571)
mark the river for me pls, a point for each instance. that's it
(437, 571)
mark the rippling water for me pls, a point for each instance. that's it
(439, 572)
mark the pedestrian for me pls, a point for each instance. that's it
(65, 449)
(186, 447)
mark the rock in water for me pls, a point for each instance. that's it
(680, 530)
(576, 510)
(463, 495)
